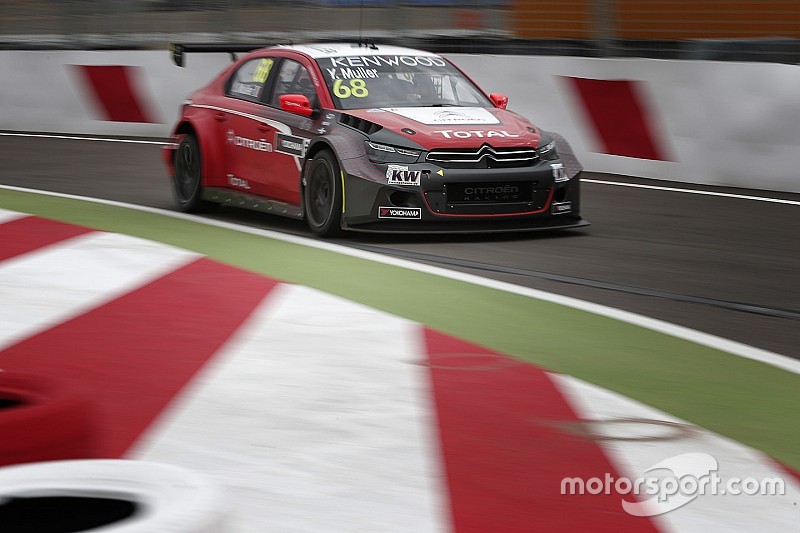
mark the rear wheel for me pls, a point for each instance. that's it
(322, 195)
(188, 177)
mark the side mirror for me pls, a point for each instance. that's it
(297, 104)
(499, 100)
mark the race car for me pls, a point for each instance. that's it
(371, 138)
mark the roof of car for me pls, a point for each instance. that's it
(354, 49)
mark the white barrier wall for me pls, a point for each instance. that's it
(49, 91)
(720, 123)
(717, 123)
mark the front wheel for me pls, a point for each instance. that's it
(188, 177)
(322, 195)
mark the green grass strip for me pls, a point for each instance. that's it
(748, 401)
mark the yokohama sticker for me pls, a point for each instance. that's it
(400, 175)
(561, 208)
(400, 212)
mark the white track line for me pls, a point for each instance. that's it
(41, 289)
(705, 339)
(692, 191)
(316, 416)
(708, 512)
(76, 138)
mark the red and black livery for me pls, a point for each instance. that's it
(369, 138)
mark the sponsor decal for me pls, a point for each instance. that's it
(386, 61)
(559, 173)
(247, 89)
(289, 144)
(348, 73)
(400, 212)
(561, 208)
(314, 78)
(510, 192)
(400, 175)
(434, 116)
(260, 145)
(262, 70)
(504, 193)
(241, 183)
(450, 116)
(467, 134)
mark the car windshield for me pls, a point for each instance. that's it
(376, 81)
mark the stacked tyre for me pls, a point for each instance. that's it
(43, 419)
(109, 496)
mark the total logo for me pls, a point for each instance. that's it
(233, 181)
(467, 134)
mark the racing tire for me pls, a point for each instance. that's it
(188, 177)
(42, 419)
(322, 195)
(110, 495)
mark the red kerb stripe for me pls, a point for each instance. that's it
(505, 451)
(134, 354)
(27, 234)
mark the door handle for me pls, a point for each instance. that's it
(219, 117)
(263, 128)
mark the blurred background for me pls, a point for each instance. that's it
(740, 30)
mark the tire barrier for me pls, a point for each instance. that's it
(43, 419)
(109, 495)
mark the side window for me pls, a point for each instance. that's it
(293, 78)
(249, 80)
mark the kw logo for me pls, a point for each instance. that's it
(400, 175)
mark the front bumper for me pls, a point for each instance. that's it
(465, 201)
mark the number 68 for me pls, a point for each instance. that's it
(357, 88)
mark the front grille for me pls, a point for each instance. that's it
(489, 193)
(483, 157)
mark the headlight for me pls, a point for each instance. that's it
(547, 152)
(384, 153)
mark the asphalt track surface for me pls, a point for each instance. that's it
(721, 265)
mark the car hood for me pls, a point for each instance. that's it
(454, 127)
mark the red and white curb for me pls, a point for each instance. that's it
(316, 413)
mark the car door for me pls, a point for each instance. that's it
(247, 136)
(293, 138)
